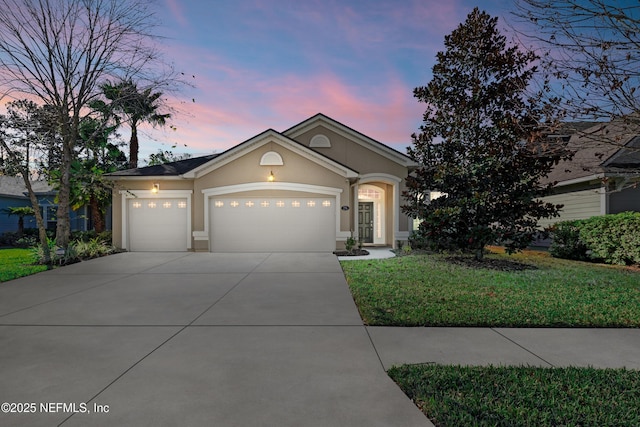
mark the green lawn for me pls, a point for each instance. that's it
(525, 396)
(16, 263)
(428, 290)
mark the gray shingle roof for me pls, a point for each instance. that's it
(599, 148)
(168, 169)
(14, 186)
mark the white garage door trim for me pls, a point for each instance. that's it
(258, 186)
(126, 195)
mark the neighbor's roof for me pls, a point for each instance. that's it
(168, 169)
(14, 186)
(599, 148)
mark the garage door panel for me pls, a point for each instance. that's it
(272, 224)
(158, 225)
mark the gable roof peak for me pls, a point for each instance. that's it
(354, 135)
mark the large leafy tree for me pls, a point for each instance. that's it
(481, 144)
(137, 106)
(100, 155)
(27, 133)
(59, 52)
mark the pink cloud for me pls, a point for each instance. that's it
(231, 111)
(177, 12)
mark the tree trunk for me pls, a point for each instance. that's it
(20, 225)
(133, 146)
(63, 227)
(42, 231)
(480, 254)
(96, 215)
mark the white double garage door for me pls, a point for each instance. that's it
(240, 224)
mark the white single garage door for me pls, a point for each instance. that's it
(273, 224)
(157, 225)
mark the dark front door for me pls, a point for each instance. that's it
(365, 221)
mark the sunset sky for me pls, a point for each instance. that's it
(259, 64)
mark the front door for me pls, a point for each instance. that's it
(365, 221)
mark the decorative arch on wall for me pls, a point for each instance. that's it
(271, 158)
(320, 141)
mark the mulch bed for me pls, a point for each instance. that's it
(353, 252)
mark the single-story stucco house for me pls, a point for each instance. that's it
(603, 177)
(308, 188)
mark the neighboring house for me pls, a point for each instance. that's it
(13, 193)
(308, 188)
(604, 175)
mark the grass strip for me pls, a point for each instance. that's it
(522, 396)
(16, 263)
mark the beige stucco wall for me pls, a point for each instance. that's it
(246, 170)
(354, 155)
(364, 161)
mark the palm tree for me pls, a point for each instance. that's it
(137, 107)
(20, 212)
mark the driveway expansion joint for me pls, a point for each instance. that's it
(524, 348)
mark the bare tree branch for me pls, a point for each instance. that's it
(59, 52)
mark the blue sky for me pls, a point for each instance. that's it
(262, 64)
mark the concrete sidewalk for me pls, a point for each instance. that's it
(544, 347)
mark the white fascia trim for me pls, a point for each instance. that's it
(350, 134)
(379, 177)
(268, 137)
(580, 180)
(148, 194)
(258, 186)
(145, 178)
(161, 194)
(289, 186)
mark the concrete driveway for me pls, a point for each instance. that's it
(192, 339)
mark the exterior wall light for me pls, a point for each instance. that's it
(156, 188)
(271, 177)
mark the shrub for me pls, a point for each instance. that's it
(417, 240)
(566, 241)
(614, 239)
(76, 251)
(38, 252)
(12, 238)
(349, 244)
(92, 249)
(25, 242)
